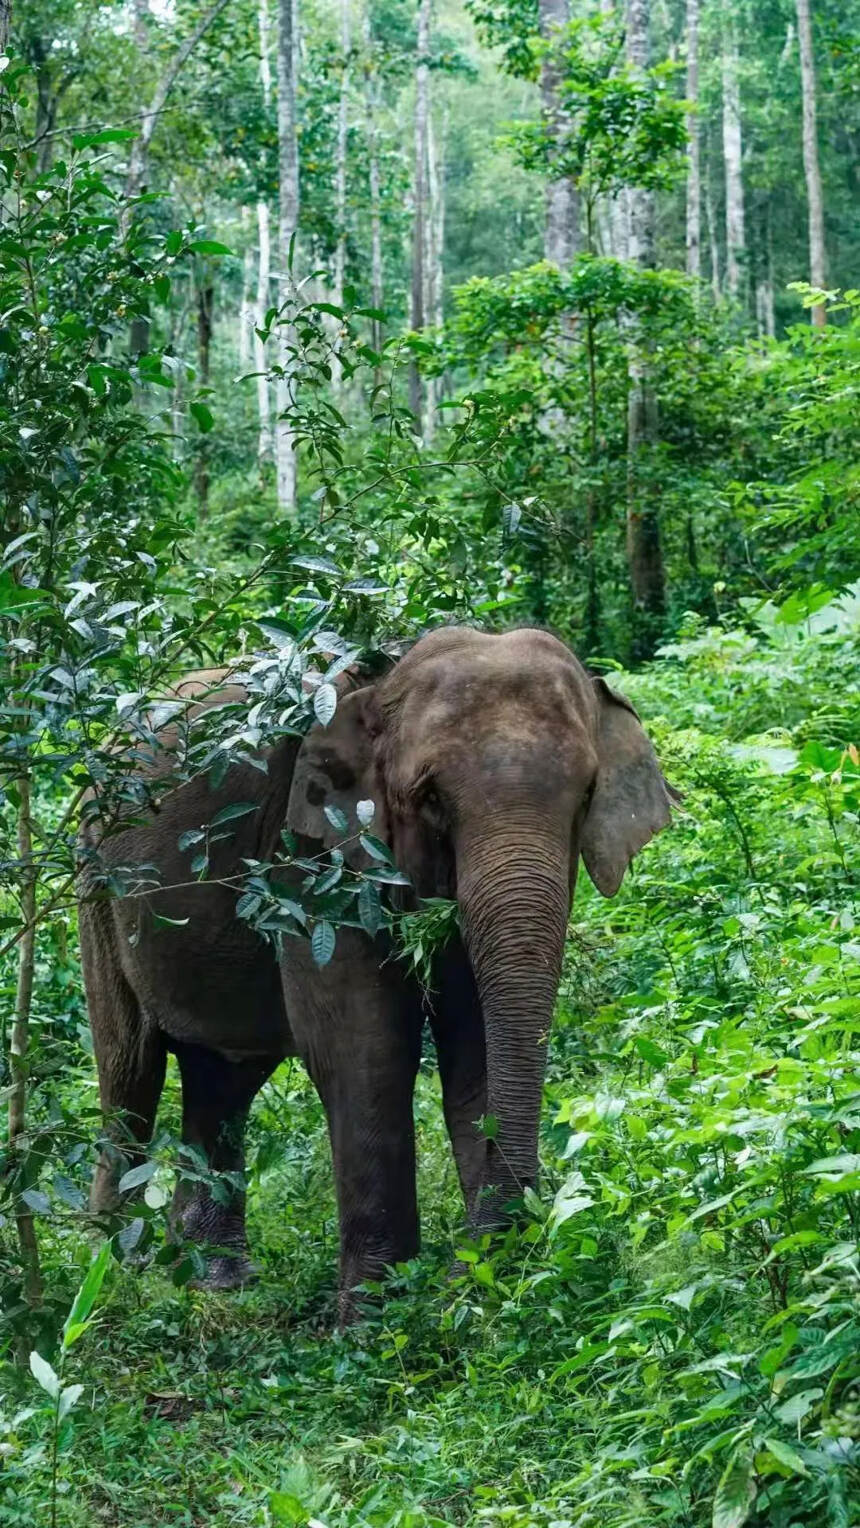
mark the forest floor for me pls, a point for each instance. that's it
(672, 1336)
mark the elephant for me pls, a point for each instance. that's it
(495, 761)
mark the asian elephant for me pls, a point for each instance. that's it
(495, 762)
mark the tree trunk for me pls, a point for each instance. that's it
(246, 307)
(561, 230)
(765, 324)
(811, 166)
(19, 1043)
(288, 218)
(418, 315)
(205, 305)
(732, 153)
(434, 260)
(340, 157)
(713, 239)
(644, 555)
(5, 23)
(377, 295)
(264, 436)
(694, 182)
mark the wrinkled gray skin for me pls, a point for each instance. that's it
(495, 762)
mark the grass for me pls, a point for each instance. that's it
(671, 1337)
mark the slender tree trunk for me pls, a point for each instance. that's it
(418, 315)
(246, 306)
(812, 170)
(19, 1043)
(377, 295)
(264, 437)
(644, 553)
(288, 218)
(713, 238)
(435, 226)
(340, 157)
(736, 251)
(264, 258)
(765, 325)
(561, 232)
(5, 23)
(694, 179)
(205, 306)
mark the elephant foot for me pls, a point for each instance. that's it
(227, 1272)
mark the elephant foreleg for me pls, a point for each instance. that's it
(359, 1031)
(216, 1097)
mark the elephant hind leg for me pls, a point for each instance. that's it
(130, 1051)
(216, 1097)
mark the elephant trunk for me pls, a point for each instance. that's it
(514, 896)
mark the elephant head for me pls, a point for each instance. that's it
(495, 762)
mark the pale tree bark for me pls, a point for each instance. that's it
(644, 552)
(246, 307)
(340, 190)
(371, 105)
(340, 156)
(694, 177)
(264, 413)
(418, 315)
(713, 237)
(612, 210)
(736, 250)
(434, 255)
(288, 218)
(5, 23)
(561, 230)
(765, 321)
(811, 167)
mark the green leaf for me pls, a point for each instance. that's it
(209, 247)
(322, 942)
(375, 848)
(203, 414)
(735, 1493)
(136, 1176)
(325, 703)
(785, 1454)
(369, 908)
(44, 1374)
(231, 812)
(87, 1295)
(69, 1397)
(337, 818)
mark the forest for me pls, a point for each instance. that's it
(325, 324)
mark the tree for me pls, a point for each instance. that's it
(288, 220)
(644, 552)
(561, 235)
(264, 435)
(694, 180)
(732, 154)
(418, 311)
(811, 167)
(371, 111)
(340, 156)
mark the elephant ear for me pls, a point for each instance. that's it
(631, 800)
(334, 772)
